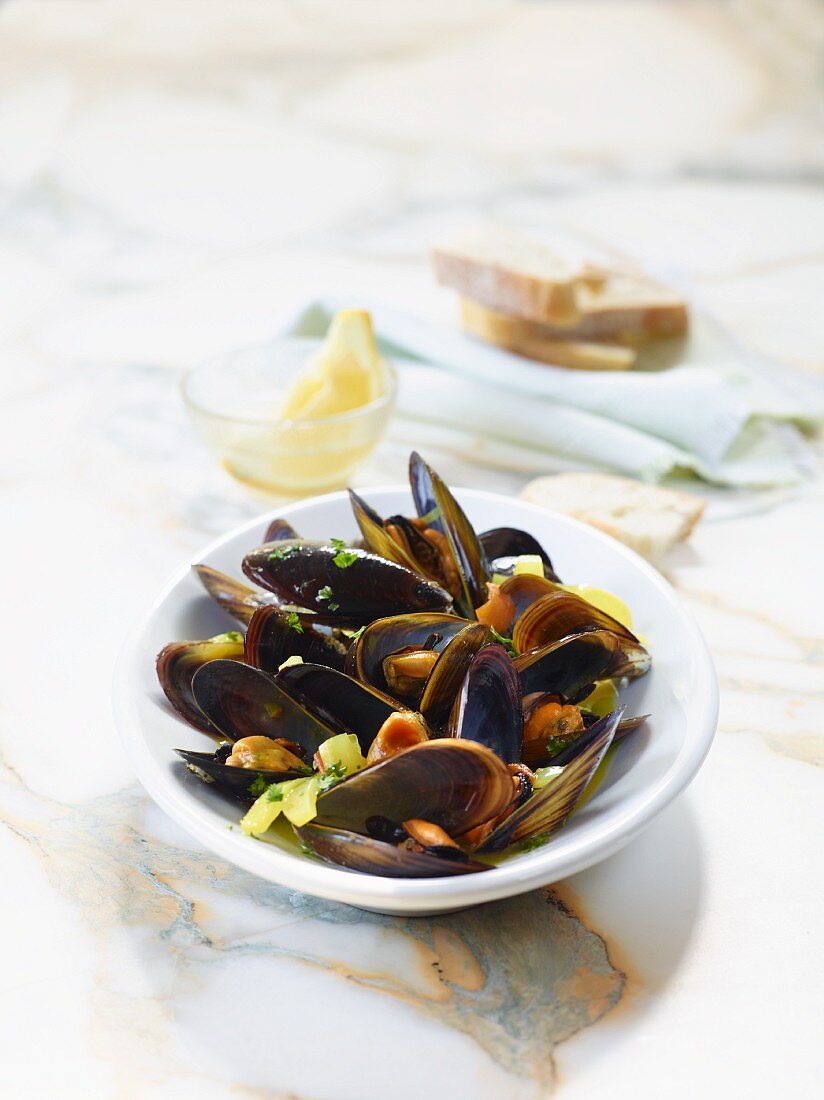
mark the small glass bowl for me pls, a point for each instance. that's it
(234, 401)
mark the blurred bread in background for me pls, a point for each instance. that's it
(541, 342)
(647, 518)
(522, 296)
(511, 274)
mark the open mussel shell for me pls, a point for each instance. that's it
(590, 733)
(366, 587)
(235, 781)
(280, 530)
(375, 536)
(355, 852)
(504, 545)
(488, 708)
(448, 673)
(512, 598)
(570, 666)
(399, 632)
(547, 809)
(558, 614)
(454, 784)
(438, 507)
(272, 637)
(236, 598)
(339, 700)
(177, 664)
(241, 701)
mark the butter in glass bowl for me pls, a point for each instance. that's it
(295, 416)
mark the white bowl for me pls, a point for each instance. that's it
(646, 772)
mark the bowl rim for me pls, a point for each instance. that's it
(532, 870)
(386, 400)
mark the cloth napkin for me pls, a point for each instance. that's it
(723, 414)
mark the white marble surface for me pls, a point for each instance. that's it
(173, 178)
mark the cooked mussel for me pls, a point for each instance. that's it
(437, 506)
(356, 852)
(550, 725)
(548, 808)
(399, 634)
(488, 709)
(241, 701)
(354, 585)
(559, 614)
(377, 538)
(448, 673)
(407, 671)
(236, 598)
(339, 700)
(507, 601)
(454, 784)
(280, 530)
(274, 635)
(244, 783)
(504, 545)
(177, 664)
(570, 666)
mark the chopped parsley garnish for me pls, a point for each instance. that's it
(555, 744)
(354, 636)
(505, 642)
(344, 558)
(258, 787)
(275, 794)
(332, 775)
(326, 594)
(293, 620)
(283, 552)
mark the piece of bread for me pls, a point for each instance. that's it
(649, 519)
(526, 338)
(509, 274)
(627, 307)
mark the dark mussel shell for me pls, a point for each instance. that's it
(570, 666)
(488, 709)
(437, 506)
(339, 700)
(355, 852)
(504, 545)
(177, 664)
(241, 701)
(236, 598)
(394, 633)
(513, 597)
(365, 588)
(448, 673)
(235, 781)
(548, 808)
(454, 784)
(271, 639)
(584, 739)
(559, 614)
(375, 536)
(279, 530)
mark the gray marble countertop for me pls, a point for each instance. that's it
(176, 177)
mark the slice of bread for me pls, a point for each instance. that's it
(527, 338)
(649, 519)
(627, 307)
(509, 274)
